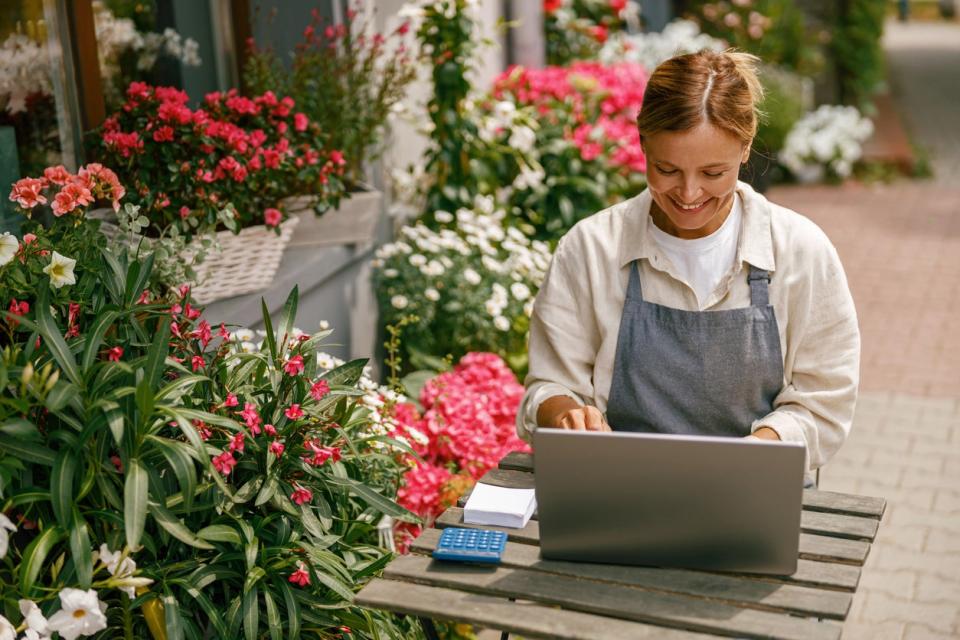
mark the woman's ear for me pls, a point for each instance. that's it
(745, 156)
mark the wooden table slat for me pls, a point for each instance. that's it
(813, 499)
(528, 619)
(733, 589)
(624, 602)
(812, 546)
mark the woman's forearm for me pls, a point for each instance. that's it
(552, 407)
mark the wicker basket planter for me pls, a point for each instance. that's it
(353, 222)
(246, 262)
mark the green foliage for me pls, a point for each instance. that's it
(344, 80)
(858, 52)
(578, 30)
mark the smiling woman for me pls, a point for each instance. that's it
(697, 307)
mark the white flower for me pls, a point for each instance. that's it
(5, 525)
(7, 630)
(324, 325)
(418, 260)
(399, 302)
(242, 335)
(118, 566)
(81, 614)
(248, 347)
(8, 247)
(60, 270)
(325, 361)
(522, 139)
(432, 294)
(391, 273)
(471, 276)
(37, 626)
(501, 323)
(443, 217)
(520, 291)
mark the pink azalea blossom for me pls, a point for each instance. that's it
(301, 495)
(300, 577)
(293, 412)
(319, 390)
(224, 463)
(294, 366)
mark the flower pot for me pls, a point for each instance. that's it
(245, 262)
(353, 222)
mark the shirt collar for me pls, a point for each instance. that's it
(756, 242)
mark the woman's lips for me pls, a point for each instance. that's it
(703, 205)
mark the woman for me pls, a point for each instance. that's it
(698, 306)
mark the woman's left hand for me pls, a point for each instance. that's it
(765, 433)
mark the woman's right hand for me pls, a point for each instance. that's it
(563, 412)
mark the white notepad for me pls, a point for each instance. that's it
(499, 506)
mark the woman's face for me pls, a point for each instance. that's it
(692, 176)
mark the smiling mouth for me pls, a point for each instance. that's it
(694, 207)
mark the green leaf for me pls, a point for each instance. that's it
(180, 385)
(268, 326)
(346, 374)
(374, 499)
(34, 556)
(254, 576)
(20, 428)
(213, 613)
(220, 533)
(288, 316)
(115, 420)
(174, 527)
(135, 502)
(27, 451)
(251, 614)
(373, 567)
(144, 398)
(114, 278)
(137, 276)
(62, 480)
(157, 354)
(53, 338)
(171, 617)
(269, 488)
(311, 523)
(273, 616)
(335, 585)
(80, 550)
(62, 394)
(182, 463)
(94, 337)
(292, 607)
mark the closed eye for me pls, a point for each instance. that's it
(713, 175)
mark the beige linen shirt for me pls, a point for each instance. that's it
(576, 315)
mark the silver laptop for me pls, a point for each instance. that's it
(712, 503)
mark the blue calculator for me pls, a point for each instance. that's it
(470, 545)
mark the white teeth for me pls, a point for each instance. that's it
(689, 206)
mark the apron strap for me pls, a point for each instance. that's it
(759, 280)
(634, 290)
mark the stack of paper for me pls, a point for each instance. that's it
(499, 506)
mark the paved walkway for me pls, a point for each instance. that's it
(900, 246)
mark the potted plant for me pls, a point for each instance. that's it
(224, 167)
(346, 78)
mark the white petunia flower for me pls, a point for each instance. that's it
(5, 526)
(81, 614)
(8, 247)
(37, 626)
(399, 302)
(7, 630)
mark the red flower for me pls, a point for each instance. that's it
(300, 122)
(276, 448)
(190, 312)
(550, 6)
(231, 401)
(197, 362)
(270, 430)
(57, 175)
(224, 463)
(300, 576)
(301, 495)
(202, 333)
(223, 333)
(26, 192)
(599, 33)
(251, 417)
(163, 134)
(293, 412)
(294, 366)
(71, 196)
(272, 217)
(115, 354)
(337, 158)
(144, 297)
(319, 390)
(21, 308)
(237, 442)
(202, 430)
(618, 5)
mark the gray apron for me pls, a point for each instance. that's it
(695, 372)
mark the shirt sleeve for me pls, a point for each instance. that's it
(816, 405)
(564, 338)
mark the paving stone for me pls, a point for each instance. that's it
(901, 584)
(881, 607)
(892, 558)
(858, 630)
(947, 500)
(930, 588)
(923, 632)
(944, 542)
(908, 516)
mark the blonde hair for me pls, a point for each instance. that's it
(720, 88)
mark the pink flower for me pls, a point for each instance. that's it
(223, 333)
(197, 362)
(301, 495)
(163, 134)
(115, 354)
(300, 122)
(599, 33)
(276, 448)
(144, 297)
(57, 175)
(337, 158)
(26, 192)
(270, 430)
(28, 239)
(237, 442)
(71, 196)
(300, 576)
(190, 312)
(202, 429)
(320, 453)
(202, 333)
(251, 417)
(294, 366)
(231, 401)
(272, 217)
(184, 212)
(293, 412)
(319, 390)
(21, 308)
(224, 463)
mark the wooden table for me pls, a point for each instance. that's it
(538, 598)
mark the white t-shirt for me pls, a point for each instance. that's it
(704, 262)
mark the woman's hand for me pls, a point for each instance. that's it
(765, 433)
(563, 412)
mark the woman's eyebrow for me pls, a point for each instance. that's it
(706, 166)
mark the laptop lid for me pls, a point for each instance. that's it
(667, 500)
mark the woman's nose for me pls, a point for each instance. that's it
(690, 191)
